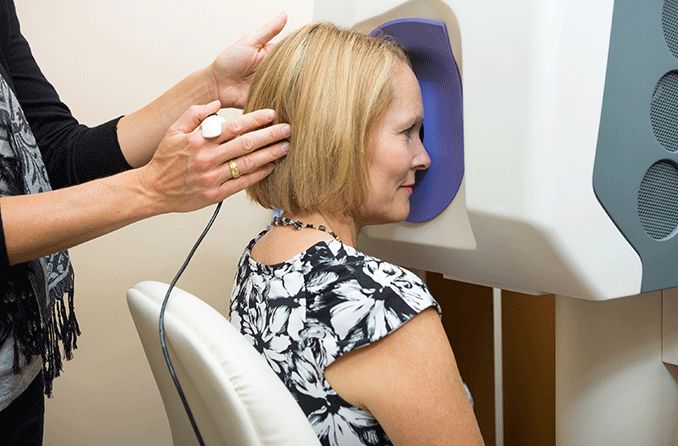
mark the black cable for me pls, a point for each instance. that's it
(163, 342)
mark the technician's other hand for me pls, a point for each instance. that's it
(189, 172)
(235, 66)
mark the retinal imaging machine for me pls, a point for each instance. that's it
(553, 133)
(552, 127)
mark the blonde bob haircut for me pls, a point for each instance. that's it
(332, 86)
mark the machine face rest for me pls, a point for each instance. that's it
(428, 46)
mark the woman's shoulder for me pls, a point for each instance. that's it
(359, 298)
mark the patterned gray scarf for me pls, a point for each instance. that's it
(32, 305)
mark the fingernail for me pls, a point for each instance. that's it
(285, 147)
(286, 130)
(270, 114)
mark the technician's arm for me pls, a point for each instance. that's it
(226, 79)
(74, 153)
(410, 382)
(186, 173)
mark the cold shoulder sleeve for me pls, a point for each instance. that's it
(361, 301)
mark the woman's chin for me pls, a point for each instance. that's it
(386, 219)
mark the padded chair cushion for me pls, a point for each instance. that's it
(235, 397)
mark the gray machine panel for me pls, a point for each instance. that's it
(636, 168)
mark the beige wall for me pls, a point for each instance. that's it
(107, 59)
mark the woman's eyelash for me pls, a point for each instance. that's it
(410, 132)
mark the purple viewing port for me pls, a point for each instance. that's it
(428, 46)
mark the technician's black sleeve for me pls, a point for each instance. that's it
(73, 153)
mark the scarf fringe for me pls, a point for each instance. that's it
(62, 329)
(47, 340)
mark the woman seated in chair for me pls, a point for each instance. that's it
(358, 341)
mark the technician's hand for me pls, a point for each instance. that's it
(189, 172)
(234, 67)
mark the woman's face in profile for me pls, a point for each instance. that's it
(396, 153)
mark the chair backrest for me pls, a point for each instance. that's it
(234, 395)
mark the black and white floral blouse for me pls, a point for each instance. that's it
(304, 313)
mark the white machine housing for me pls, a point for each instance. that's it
(526, 217)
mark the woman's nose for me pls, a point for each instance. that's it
(421, 160)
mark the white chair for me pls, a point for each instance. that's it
(235, 397)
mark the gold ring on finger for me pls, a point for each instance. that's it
(235, 173)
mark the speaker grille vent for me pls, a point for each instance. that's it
(658, 200)
(670, 25)
(664, 111)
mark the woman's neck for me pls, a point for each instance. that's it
(345, 227)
